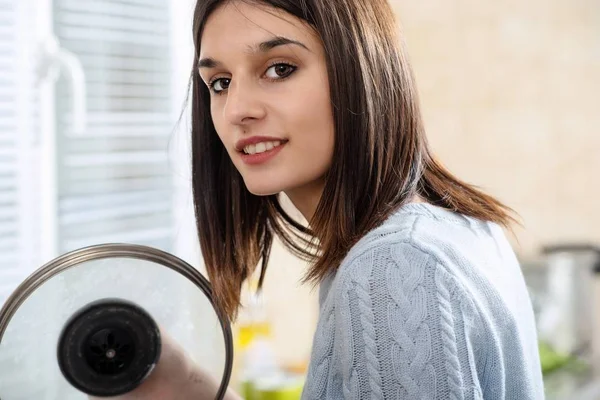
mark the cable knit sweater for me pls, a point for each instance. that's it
(430, 305)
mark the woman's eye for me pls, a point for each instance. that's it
(274, 72)
(280, 70)
(218, 85)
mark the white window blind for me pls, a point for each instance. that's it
(9, 224)
(19, 118)
(17, 126)
(114, 179)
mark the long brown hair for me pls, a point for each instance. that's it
(381, 156)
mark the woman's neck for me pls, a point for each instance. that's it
(306, 198)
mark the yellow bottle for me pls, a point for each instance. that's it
(254, 353)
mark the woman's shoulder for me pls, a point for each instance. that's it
(442, 252)
(450, 239)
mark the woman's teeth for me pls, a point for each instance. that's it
(261, 147)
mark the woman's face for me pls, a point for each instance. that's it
(269, 99)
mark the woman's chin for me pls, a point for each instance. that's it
(263, 190)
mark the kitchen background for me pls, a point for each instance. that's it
(91, 150)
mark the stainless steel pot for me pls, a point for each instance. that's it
(568, 309)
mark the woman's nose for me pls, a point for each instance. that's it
(243, 103)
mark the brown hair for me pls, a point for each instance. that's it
(381, 156)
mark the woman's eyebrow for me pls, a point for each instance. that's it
(262, 47)
(274, 42)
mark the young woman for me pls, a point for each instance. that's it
(421, 296)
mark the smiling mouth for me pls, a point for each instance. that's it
(261, 147)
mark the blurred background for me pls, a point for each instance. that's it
(93, 150)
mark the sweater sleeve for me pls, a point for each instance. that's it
(406, 332)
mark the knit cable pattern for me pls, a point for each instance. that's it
(363, 292)
(407, 316)
(455, 381)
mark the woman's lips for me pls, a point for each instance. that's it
(263, 157)
(240, 144)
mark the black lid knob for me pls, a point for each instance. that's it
(108, 347)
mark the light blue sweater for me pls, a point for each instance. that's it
(430, 305)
